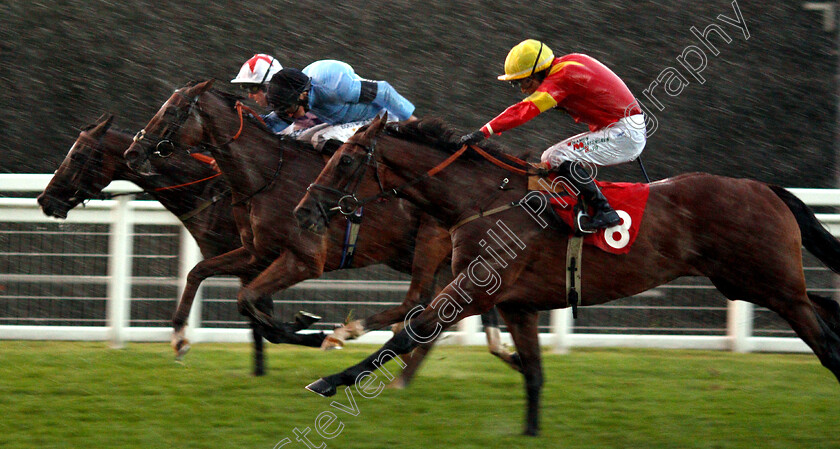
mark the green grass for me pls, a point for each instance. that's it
(84, 395)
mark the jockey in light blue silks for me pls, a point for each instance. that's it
(334, 93)
(253, 78)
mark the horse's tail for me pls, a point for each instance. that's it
(815, 237)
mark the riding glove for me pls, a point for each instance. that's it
(472, 138)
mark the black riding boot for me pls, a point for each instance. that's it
(603, 214)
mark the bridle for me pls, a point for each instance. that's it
(83, 192)
(165, 146)
(348, 203)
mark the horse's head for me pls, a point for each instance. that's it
(339, 186)
(86, 170)
(176, 124)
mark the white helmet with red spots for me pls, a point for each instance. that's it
(258, 70)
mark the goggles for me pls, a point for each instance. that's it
(251, 88)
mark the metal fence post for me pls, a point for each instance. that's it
(739, 325)
(190, 256)
(119, 271)
(468, 328)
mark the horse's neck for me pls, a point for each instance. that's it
(459, 190)
(257, 160)
(176, 200)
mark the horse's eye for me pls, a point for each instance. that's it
(346, 160)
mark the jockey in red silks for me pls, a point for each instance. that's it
(591, 93)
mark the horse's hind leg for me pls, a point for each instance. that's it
(522, 324)
(812, 329)
(792, 303)
(828, 310)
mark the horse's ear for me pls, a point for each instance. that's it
(205, 86)
(201, 87)
(378, 124)
(102, 124)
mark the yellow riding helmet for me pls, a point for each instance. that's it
(525, 59)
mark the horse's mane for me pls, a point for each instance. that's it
(435, 132)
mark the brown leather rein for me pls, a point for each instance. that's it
(348, 203)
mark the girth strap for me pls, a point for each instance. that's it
(574, 257)
(484, 213)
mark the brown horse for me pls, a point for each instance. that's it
(190, 189)
(268, 175)
(743, 235)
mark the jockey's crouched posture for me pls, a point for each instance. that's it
(253, 78)
(337, 96)
(591, 93)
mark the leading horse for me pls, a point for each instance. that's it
(745, 236)
(191, 189)
(268, 175)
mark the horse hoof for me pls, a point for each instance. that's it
(182, 351)
(515, 361)
(181, 347)
(398, 384)
(331, 343)
(321, 387)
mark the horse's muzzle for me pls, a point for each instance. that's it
(54, 207)
(310, 219)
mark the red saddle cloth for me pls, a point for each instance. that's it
(628, 199)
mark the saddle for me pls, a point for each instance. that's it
(628, 199)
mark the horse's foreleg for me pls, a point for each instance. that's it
(259, 354)
(447, 309)
(235, 262)
(523, 328)
(432, 248)
(284, 271)
(413, 361)
(490, 322)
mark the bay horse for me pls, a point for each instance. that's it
(191, 189)
(267, 175)
(745, 236)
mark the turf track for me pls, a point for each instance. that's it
(74, 395)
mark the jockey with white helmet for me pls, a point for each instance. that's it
(254, 77)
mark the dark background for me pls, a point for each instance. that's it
(767, 109)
